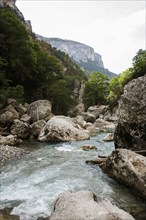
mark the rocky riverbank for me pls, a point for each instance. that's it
(123, 164)
(35, 121)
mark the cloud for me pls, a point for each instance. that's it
(115, 29)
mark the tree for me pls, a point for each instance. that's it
(96, 89)
(139, 64)
(61, 97)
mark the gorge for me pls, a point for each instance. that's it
(46, 151)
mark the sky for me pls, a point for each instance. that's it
(115, 29)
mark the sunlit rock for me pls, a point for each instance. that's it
(62, 129)
(85, 205)
(109, 137)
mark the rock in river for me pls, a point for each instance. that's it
(11, 153)
(129, 168)
(84, 205)
(62, 129)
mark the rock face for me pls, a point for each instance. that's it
(84, 205)
(39, 109)
(82, 54)
(131, 130)
(77, 51)
(62, 129)
(129, 168)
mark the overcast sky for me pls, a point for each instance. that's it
(115, 29)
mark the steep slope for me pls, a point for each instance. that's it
(82, 54)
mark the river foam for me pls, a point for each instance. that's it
(31, 185)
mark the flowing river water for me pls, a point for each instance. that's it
(31, 185)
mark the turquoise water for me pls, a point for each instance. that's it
(32, 184)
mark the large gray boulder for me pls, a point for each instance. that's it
(88, 117)
(20, 128)
(129, 168)
(131, 130)
(62, 129)
(84, 205)
(102, 124)
(40, 109)
(97, 110)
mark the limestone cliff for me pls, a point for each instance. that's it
(82, 54)
(78, 51)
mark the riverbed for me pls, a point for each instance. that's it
(31, 185)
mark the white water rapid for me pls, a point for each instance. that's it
(31, 185)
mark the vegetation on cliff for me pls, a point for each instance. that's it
(31, 69)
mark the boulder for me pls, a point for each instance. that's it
(129, 168)
(9, 114)
(79, 120)
(10, 140)
(131, 129)
(111, 115)
(91, 129)
(62, 129)
(11, 153)
(85, 205)
(97, 110)
(20, 128)
(21, 109)
(78, 109)
(11, 101)
(88, 147)
(37, 126)
(25, 118)
(109, 137)
(88, 117)
(88, 124)
(39, 109)
(100, 123)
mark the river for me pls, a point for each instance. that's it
(31, 185)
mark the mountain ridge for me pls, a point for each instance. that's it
(82, 54)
